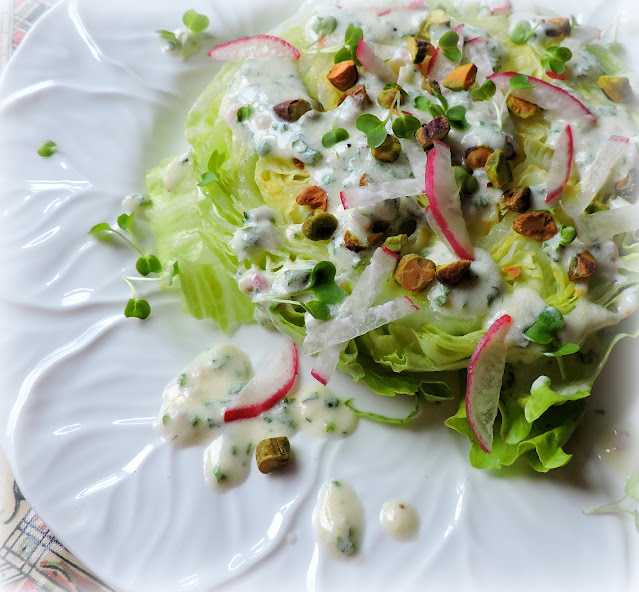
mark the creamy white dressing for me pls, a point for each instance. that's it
(338, 520)
(399, 520)
(192, 414)
(176, 171)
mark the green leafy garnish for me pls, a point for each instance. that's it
(194, 21)
(168, 36)
(244, 113)
(555, 58)
(448, 44)
(137, 308)
(520, 81)
(208, 178)
(422, 103)
(148, 264)
(334, 137)
(485, 92)
(546, 327)
(374, 128)
(565, 350)
(522, 32)
(325, 25)
(48, 148)
(631, 492)
(405, 125)
(351, 41)
(457, 117)
(567, 234)
(323, 284)
(347, 545)
(318, 310)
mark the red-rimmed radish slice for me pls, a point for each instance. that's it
(444, 203)
(365, 292)
(391, 53)
(344, 329)
(560, 165)
(485, 375)
(601, 226)
(268, 387)
(547, 96)
(385, 12)
(414, 5)
(597, 174)
(373, 63)
(259, 46)
(498, 5)
(554, 76)
(376, 192)
(477, 53)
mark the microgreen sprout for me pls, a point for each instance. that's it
(448, 44)
(48, 148)
(373, 127)
(186, 42)
(485, 92)
(456, 115)
(334, 137)
(351, 41)
(566, 349)
(546, 327)
(243, 113)
(522, 32)
(325, 26)
(631, 492)
(555, 58)
(520, 81)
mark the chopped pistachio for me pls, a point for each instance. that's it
(627, 187)
(539, 226)
(517, 199)
(373, 239)
(388, 151)
(414, 273)
(387, 97)
(299, 164)
(319, 225)
(431, 86)
(461, 78)
(396, 243)
(520, 107)
(582, 266)
(419, 49)
(476, 157)
(314, 197)
(292, 110)
(436, 129)
(453, 273)
(616, 88)
(272, 453)
(498, 169)
(557, 28)
(343, 75)
(352, 243)
(358, 94)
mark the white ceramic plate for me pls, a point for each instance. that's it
(80, 384)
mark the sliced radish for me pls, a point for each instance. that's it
(498, 5)
(376, 192)
(385, 12)
(547, 96)
(365, 292)
(561, 164)
(267, 388)
(554, 76)
(417, 160)
(601, 226)
(597, 174)
(485, 375)
(391, 53)
(439, 65)
(344, 329)
(374, 63)
(444, 204)
(259, 46)
(477, 53)
(414, 5)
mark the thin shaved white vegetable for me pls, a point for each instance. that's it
(597, 175)
(417, 160)
(477, 53)
(376, 192)
(600, 226)
(366, 290)
(344, 329)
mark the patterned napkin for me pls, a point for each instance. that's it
(31, 558)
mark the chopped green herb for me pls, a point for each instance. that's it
(48, 148)
(347, 545)
(334, 137)
(219, 475)
(234, 450)
(442, 298)
(244, 113)
(331, 402)
(166, 418)
(249, 448)
(181, 380)
(195, 421)
(337, 484)
(330, 427)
